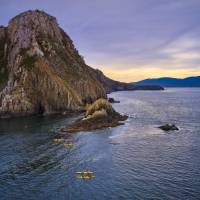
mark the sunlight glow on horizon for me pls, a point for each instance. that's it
(133, 75)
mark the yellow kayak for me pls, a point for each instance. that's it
(68, 145)
(85, 177)
(85, 172)
(58, 140)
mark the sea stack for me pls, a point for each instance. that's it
(40, 69)
(99, 114)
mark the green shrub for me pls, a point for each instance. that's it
(29, 61)
(3, 77)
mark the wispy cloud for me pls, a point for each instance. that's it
(131, 39)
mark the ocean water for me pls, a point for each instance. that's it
(146, 164)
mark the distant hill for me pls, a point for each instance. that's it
(113, 86)
(171, 82)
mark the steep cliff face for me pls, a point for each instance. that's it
(40, 69)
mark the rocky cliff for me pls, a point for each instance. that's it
(40, 69)
(42, 72)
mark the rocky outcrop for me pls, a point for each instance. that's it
(169, 127)
(99, 115)
(40, 69)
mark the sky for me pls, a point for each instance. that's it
(129, 40)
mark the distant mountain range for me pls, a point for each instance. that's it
(171, 82)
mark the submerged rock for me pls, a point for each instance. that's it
(112, 100)
(169, 127)
(99, 115)
(114, 143)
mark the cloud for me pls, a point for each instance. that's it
(129, 40)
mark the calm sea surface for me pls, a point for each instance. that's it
(147, 164)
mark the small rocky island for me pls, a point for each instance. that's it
(98, 115)
(169, 127)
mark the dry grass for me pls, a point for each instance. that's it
(101, 105)
(98, 113)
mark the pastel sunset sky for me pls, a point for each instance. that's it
(128, 40)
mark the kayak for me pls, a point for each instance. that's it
(85, 177)
(68, 145)
(58, 140)
(85, 172)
